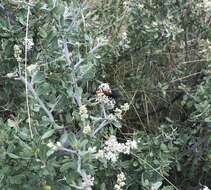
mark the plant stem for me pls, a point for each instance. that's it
(26, 86)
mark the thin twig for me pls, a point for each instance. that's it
(185, 77)
(134, 107)
(195, 61)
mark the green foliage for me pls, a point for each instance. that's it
(156, 52)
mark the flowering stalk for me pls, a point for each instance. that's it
(26, 86)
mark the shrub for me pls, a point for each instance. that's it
(61, 127)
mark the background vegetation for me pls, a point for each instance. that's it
(154, 54)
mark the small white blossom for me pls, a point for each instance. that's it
(83, 112)
(17, 49)
(120, 181)
(83, 109)
(118, 113)
(52, 146)
(109, 103)
(102, 98)
(117, 187)
(125, 107)
(121, 177)
(112, 156)
(29, 43)
(124, 35)
(17, 53)
(99, 154)
(124, 41)
(87, 129)
(132, 144)
(126, 149)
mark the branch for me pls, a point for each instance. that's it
(67, 54)
(68, 150)
(78, 63)
(30, 87)
(101, 126)
(55, 104)
(76, 94)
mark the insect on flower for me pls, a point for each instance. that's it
(104, 89)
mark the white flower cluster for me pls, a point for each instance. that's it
(103, 99)
(29, 43)
(120, 181)
(118, 112)
(112, 149)
(17, 53)
(88, 182)
(87, 129)
(83, 112)
(125, 107)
